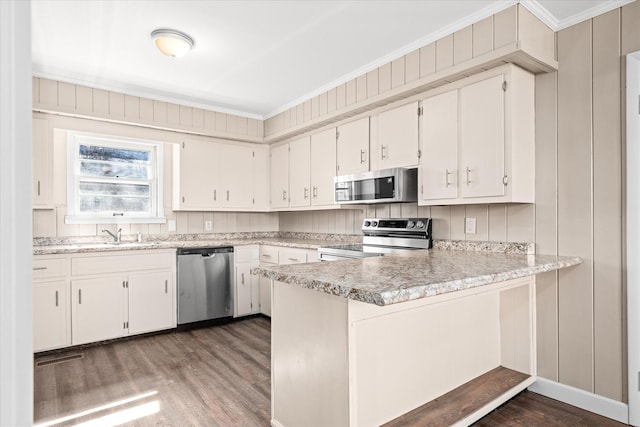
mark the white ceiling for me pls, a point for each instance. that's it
(252, 58)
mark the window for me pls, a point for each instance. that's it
(113, 180)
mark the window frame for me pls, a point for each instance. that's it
(156, 182)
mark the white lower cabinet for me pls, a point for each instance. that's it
(151, 304)
(83, 298)
(274, 255)
(50, 315)
(247, 286)
(50, 302)
(97, 309)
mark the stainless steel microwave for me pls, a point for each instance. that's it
(381, 186)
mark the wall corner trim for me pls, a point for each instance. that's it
(591, 402)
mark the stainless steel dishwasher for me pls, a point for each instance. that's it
(205, 284)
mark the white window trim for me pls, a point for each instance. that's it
(73, 217)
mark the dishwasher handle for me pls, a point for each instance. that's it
(205, 252)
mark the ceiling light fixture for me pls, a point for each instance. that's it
(172, 43)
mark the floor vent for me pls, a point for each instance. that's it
(60, 359)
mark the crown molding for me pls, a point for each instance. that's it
(143, 93)
(552, 22)
(423, 41)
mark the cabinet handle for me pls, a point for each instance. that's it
(315, 192)
(227, 195)
(166, 286)
(266, 256)
(215, 195)
(361, 156)
(446, 177)
(421, 188)
(182, 199)
(79, 296)
(293, 259)
(468, 180)
(40, 268)
(306, 193)
(56, 298)
(382, 156)
(284, 194)
(242, 277)
(38, 187)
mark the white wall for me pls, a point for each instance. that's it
(16, 357)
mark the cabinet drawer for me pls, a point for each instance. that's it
(107, 264)
(245, 253)
(269, 254)
(49, 267)
(293, 256)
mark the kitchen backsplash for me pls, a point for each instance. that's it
(50, 223)
(495, 222)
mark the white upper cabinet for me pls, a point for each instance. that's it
(261, 178)
(210, 175)
(42, 163)
(299, 178)
(395, 137)
(196, 184)
(323, 167)
(478, 140)
(279, 165)
(482, 117)
(439, 166)
(353, 147)
(236, 174)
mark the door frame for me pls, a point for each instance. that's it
(633, 233)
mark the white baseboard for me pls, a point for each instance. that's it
(582, 399)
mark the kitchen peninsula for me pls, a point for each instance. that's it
(362, 342)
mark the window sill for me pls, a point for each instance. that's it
(114, 220)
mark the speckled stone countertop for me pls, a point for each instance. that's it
(290, 240)
(413, 275)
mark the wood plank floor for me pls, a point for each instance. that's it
(216, 376)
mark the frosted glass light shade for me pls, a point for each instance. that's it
(172, 43)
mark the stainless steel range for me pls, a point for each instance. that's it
(384, 236)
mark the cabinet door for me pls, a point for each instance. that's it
(439, 143)
(260, 181)
(237, 176)
(42, 161)
(199, 185)
(353, 147)
(97, 309)
(279, 166)
(397, 137)
(265, 296)
(151, 302)
(243, 289)
(323, 167)
(299, 179)
(482, 138)
(50, 321)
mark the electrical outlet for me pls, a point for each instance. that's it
(470, 225)
(171, 225)
(208, 225)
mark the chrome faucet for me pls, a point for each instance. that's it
(117, 237)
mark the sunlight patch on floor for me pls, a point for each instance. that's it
(134, 413)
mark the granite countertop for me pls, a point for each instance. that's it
(62, 247)
(413, 275)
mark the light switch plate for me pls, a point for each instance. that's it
(171, 225)
(470, 225)
(208, 225)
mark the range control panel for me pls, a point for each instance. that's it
(396, 224)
